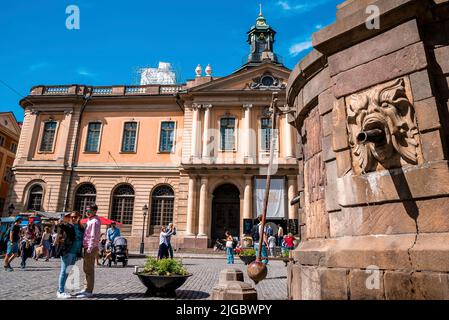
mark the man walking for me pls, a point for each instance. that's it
(13, 244)
(258, 231)
(91, 243)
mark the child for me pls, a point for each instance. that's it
(272, 245)
(229, 248)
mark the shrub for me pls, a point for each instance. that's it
(164, 267)
(248, 252)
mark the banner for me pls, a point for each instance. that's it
(276, 200)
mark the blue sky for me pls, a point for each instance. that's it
(118, 37)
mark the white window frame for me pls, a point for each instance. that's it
(160, 135)
(123, 134)
(236, 141)
(99, 138)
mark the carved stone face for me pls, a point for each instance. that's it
(386, 111)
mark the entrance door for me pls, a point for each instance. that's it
(225, 211)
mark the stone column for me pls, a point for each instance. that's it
(203, 221)
(31, 138)
(206, 134)
(191, 207)
(65, 127)
(248, 143)
(288, 139)
(247, 198)
(196, 125)
(292, 192)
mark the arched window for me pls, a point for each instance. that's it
(123, 204)
(35, 198)
(86, 195)
(162, 203)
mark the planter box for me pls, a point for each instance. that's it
(247, 259)
(162, 285)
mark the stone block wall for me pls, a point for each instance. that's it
(375, 212)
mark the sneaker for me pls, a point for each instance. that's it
(63, 295)
(84, 295)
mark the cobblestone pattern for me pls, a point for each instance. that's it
(38, 281)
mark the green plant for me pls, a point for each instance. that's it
(286, 254)
(248, 252)
(164, 267)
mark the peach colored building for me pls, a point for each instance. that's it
(9, 139)
(194, 152)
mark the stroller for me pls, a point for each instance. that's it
(119, 252)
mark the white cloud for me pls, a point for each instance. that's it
(38, 66)
(297, 48)
(84, 72)
(319, 26)
(293, 5)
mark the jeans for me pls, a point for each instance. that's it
(230, 255)
(170, 250)
(67, 261)
(264, 252)
(280, 240)
(26, 252)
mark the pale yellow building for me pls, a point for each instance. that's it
(195, 153)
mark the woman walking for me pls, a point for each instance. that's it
(70, 242)
(45, 243)
(229, 248)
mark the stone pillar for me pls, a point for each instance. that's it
(292, 191)
(196, 126)
(206, 134)
(32, 134)
(248, 143)
(288, 139)
(65, 129)
(203, 221)
(247, 198)
(191, 207)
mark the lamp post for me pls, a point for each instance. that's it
(145, 211)
(11, 209)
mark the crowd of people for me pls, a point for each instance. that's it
(68, 240)
(270, 242)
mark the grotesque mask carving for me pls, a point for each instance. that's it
(382, 129)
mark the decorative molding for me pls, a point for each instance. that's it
(68, 112)
(207, 106)
(382, 128)
(196, 106)
(248, 106)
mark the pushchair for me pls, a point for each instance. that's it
(119, 252)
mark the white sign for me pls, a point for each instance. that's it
(276, 200)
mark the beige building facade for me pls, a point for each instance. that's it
(194, 153)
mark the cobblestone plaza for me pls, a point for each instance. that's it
(39, 281)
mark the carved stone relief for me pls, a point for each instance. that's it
(382, 128)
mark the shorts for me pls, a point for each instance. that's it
(13, 248)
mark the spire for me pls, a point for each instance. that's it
(260, 14)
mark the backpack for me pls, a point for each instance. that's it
(255, 233)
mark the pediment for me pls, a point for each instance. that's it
(8, 121)
(255, 78)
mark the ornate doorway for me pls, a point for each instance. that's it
(225, 211)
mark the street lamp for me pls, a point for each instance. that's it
(145, 211)
(11, 209)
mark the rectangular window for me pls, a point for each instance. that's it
(129, 137)
(167, 136)
(93, 137)
(227, 129)
(2, 141)
(13, 147)
(265, 138)
(48, 136)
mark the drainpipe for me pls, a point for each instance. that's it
(86, 99)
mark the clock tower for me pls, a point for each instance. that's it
(261, 39)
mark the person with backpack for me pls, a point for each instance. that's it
(13, 244)
(257, 231)
(229, 248)
(68, 245)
